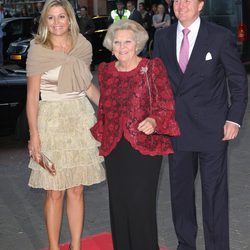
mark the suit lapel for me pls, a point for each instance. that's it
(176, 71)
(173, 52)
(200, 46)
(196, 59)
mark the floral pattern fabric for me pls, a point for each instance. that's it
(127, 98)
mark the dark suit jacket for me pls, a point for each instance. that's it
(136, 16)
(202, 100)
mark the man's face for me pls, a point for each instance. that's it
(83, 12)
(39, 6)
(130, 7)
(119, 6)
(141, 8)
(187, 11)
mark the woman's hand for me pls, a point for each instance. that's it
(147, 126)
(34, 146)
(32, 104)
(166, 24)
(93, 94)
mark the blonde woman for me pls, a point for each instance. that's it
(58, 70)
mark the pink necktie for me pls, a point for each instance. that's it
(183, 59)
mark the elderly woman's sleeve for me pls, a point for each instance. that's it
(162, 100)
(98, 129)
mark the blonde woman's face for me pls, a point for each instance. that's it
(124, 45)
(58, 21)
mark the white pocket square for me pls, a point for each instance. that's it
(208, 56)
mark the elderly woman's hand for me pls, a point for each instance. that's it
(147, 126)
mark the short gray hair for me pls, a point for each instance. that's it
(141, 35)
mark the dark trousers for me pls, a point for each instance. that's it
(132, 182)
(213, 171)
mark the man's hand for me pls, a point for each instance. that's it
(231, 130)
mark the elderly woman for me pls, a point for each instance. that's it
(135, 117)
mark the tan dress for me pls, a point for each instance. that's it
(64, 121)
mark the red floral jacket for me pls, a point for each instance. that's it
(127, 98)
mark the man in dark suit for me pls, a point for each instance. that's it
(170, 10)
(86, 24)
(204, 67)
(134, 13)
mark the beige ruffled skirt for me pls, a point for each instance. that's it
(67, 141)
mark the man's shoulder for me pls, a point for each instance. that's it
(168, 31)
(137, 12)
(215, 28)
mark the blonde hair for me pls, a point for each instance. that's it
(141, 35)
(43, 36)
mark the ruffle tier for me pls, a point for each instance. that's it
(64, 129)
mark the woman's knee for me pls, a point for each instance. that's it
(54, 195)
(75, 192)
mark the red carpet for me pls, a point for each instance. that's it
(100, 241)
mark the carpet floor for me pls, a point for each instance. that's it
(102, 241)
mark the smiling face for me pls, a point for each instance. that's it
(57, 21)
(124, 46)
(187, 11)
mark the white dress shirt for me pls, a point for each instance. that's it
(194, 29)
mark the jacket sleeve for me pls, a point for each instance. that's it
(236, 77)
(162, 100)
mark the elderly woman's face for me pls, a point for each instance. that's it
(124, 45)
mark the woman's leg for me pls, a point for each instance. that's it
(132, 182)
(141, 201)
(53, 209)
(75, 212)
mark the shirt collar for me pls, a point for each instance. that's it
(194, 27)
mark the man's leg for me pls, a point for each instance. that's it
(183, 168)
(213, 168)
